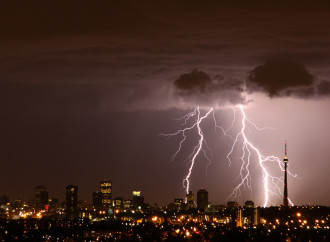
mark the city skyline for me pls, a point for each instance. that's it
(102, 198)
(85, 98)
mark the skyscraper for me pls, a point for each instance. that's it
(178, 203)
(106, 193)
(285, 195)
(190, 200)
(202, 199)
(138, 200)
(40, 196)
(118, 202)
(97, 200)
(71, 209)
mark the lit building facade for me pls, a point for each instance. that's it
(118, 203)
(179, 203)
(190, 200)
(127, 204)
(71, 209)
(106, 193)
(138, 200)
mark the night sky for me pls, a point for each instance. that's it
(86, 87)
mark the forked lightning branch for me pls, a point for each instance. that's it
(271, 184)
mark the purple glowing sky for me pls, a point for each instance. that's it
(85, 88)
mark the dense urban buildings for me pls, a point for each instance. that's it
(117, 218)
(133, 219)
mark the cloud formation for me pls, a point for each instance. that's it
(283, 78)
(276, 76)
(198, 88)
(128, 56)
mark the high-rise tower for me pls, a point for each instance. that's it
(190, 200)
(202, 199)
(71, 202)
(106, 193)
(285, 195)
(40, 197)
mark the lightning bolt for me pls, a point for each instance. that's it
(271, 184)
(198, 148)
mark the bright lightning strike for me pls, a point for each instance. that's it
(198, 148)
(271, 184)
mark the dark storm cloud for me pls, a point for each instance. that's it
(281, 78)
(274, 76)
(196, 81)
(133, 50)
(197, 88)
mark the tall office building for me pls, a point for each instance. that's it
(202, 199)
(106, 193)
(97, 200)
(118, 202)
(127, 204)
(138, 200)
(178, 202)
(41, 198)
(239, 219)
(285, 195)
(71, 209)
(190, 200)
